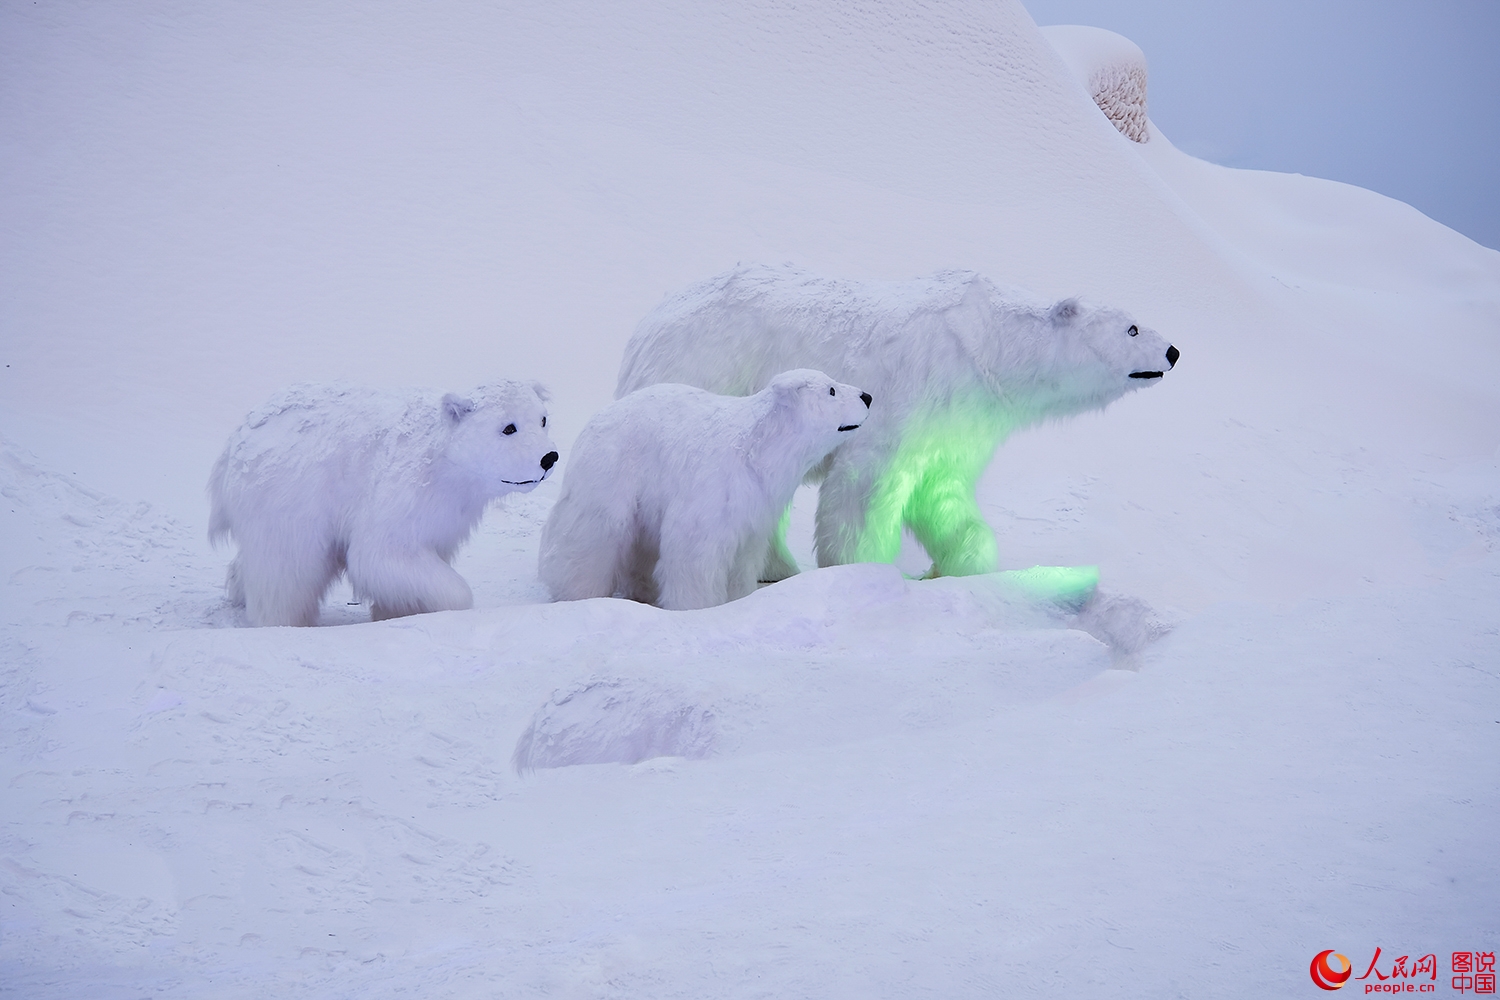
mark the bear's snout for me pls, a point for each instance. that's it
(548, 461)
(870, 399)
(1172, 355)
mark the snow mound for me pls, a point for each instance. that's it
(1111, 68)
(1127, 625)
(615, 722)
(74, 554)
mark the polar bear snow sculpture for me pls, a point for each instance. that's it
(385, 486)
(957, 364)
(672, 493)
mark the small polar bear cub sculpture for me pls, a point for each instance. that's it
(672, 493)
(327, 479)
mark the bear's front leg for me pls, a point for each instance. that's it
(694, 565)
(779, 563)
(944, 516)
(411, 582)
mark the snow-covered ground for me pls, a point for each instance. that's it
(1277, 732)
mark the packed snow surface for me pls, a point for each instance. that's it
(1276, 731)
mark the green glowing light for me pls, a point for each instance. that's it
(929, 487)
(1069, 586)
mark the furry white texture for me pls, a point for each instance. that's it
(1111, 68)
(383, 485)
(672, 493)
(954, 362)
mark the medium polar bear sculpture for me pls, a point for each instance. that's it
(672, 493)
(325, 479)
(957, 364)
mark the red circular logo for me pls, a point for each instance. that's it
(1325, 975)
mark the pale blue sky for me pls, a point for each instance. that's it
(1399, 96)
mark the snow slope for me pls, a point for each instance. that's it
(879, 786)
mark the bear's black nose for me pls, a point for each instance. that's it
(867, 398)
(1172, 355)
(549, 460)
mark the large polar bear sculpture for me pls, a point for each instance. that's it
(672, 493)
(957, 364)
(326, 479)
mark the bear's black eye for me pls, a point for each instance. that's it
(509, 429)
(831, 391)
(1132, 331)
(544, 421)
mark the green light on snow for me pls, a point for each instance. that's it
(929, 487)
(1070, 586)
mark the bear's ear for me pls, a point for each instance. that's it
(540, 390)
(455, 407)
(1064, 312)
(783, 388)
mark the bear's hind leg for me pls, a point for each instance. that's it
(282, 584)
(858, 523)
(234, 584)
(406, 583)
(574, 569)
(944, 516)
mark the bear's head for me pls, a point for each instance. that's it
(1092, 355)
(824, 411)
(497, 436)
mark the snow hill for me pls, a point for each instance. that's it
(1277, 733)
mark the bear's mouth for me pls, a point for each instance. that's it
(850, 427)
(1146, 374)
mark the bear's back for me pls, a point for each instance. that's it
(901, 340)
(323, 441)
(667, 421)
